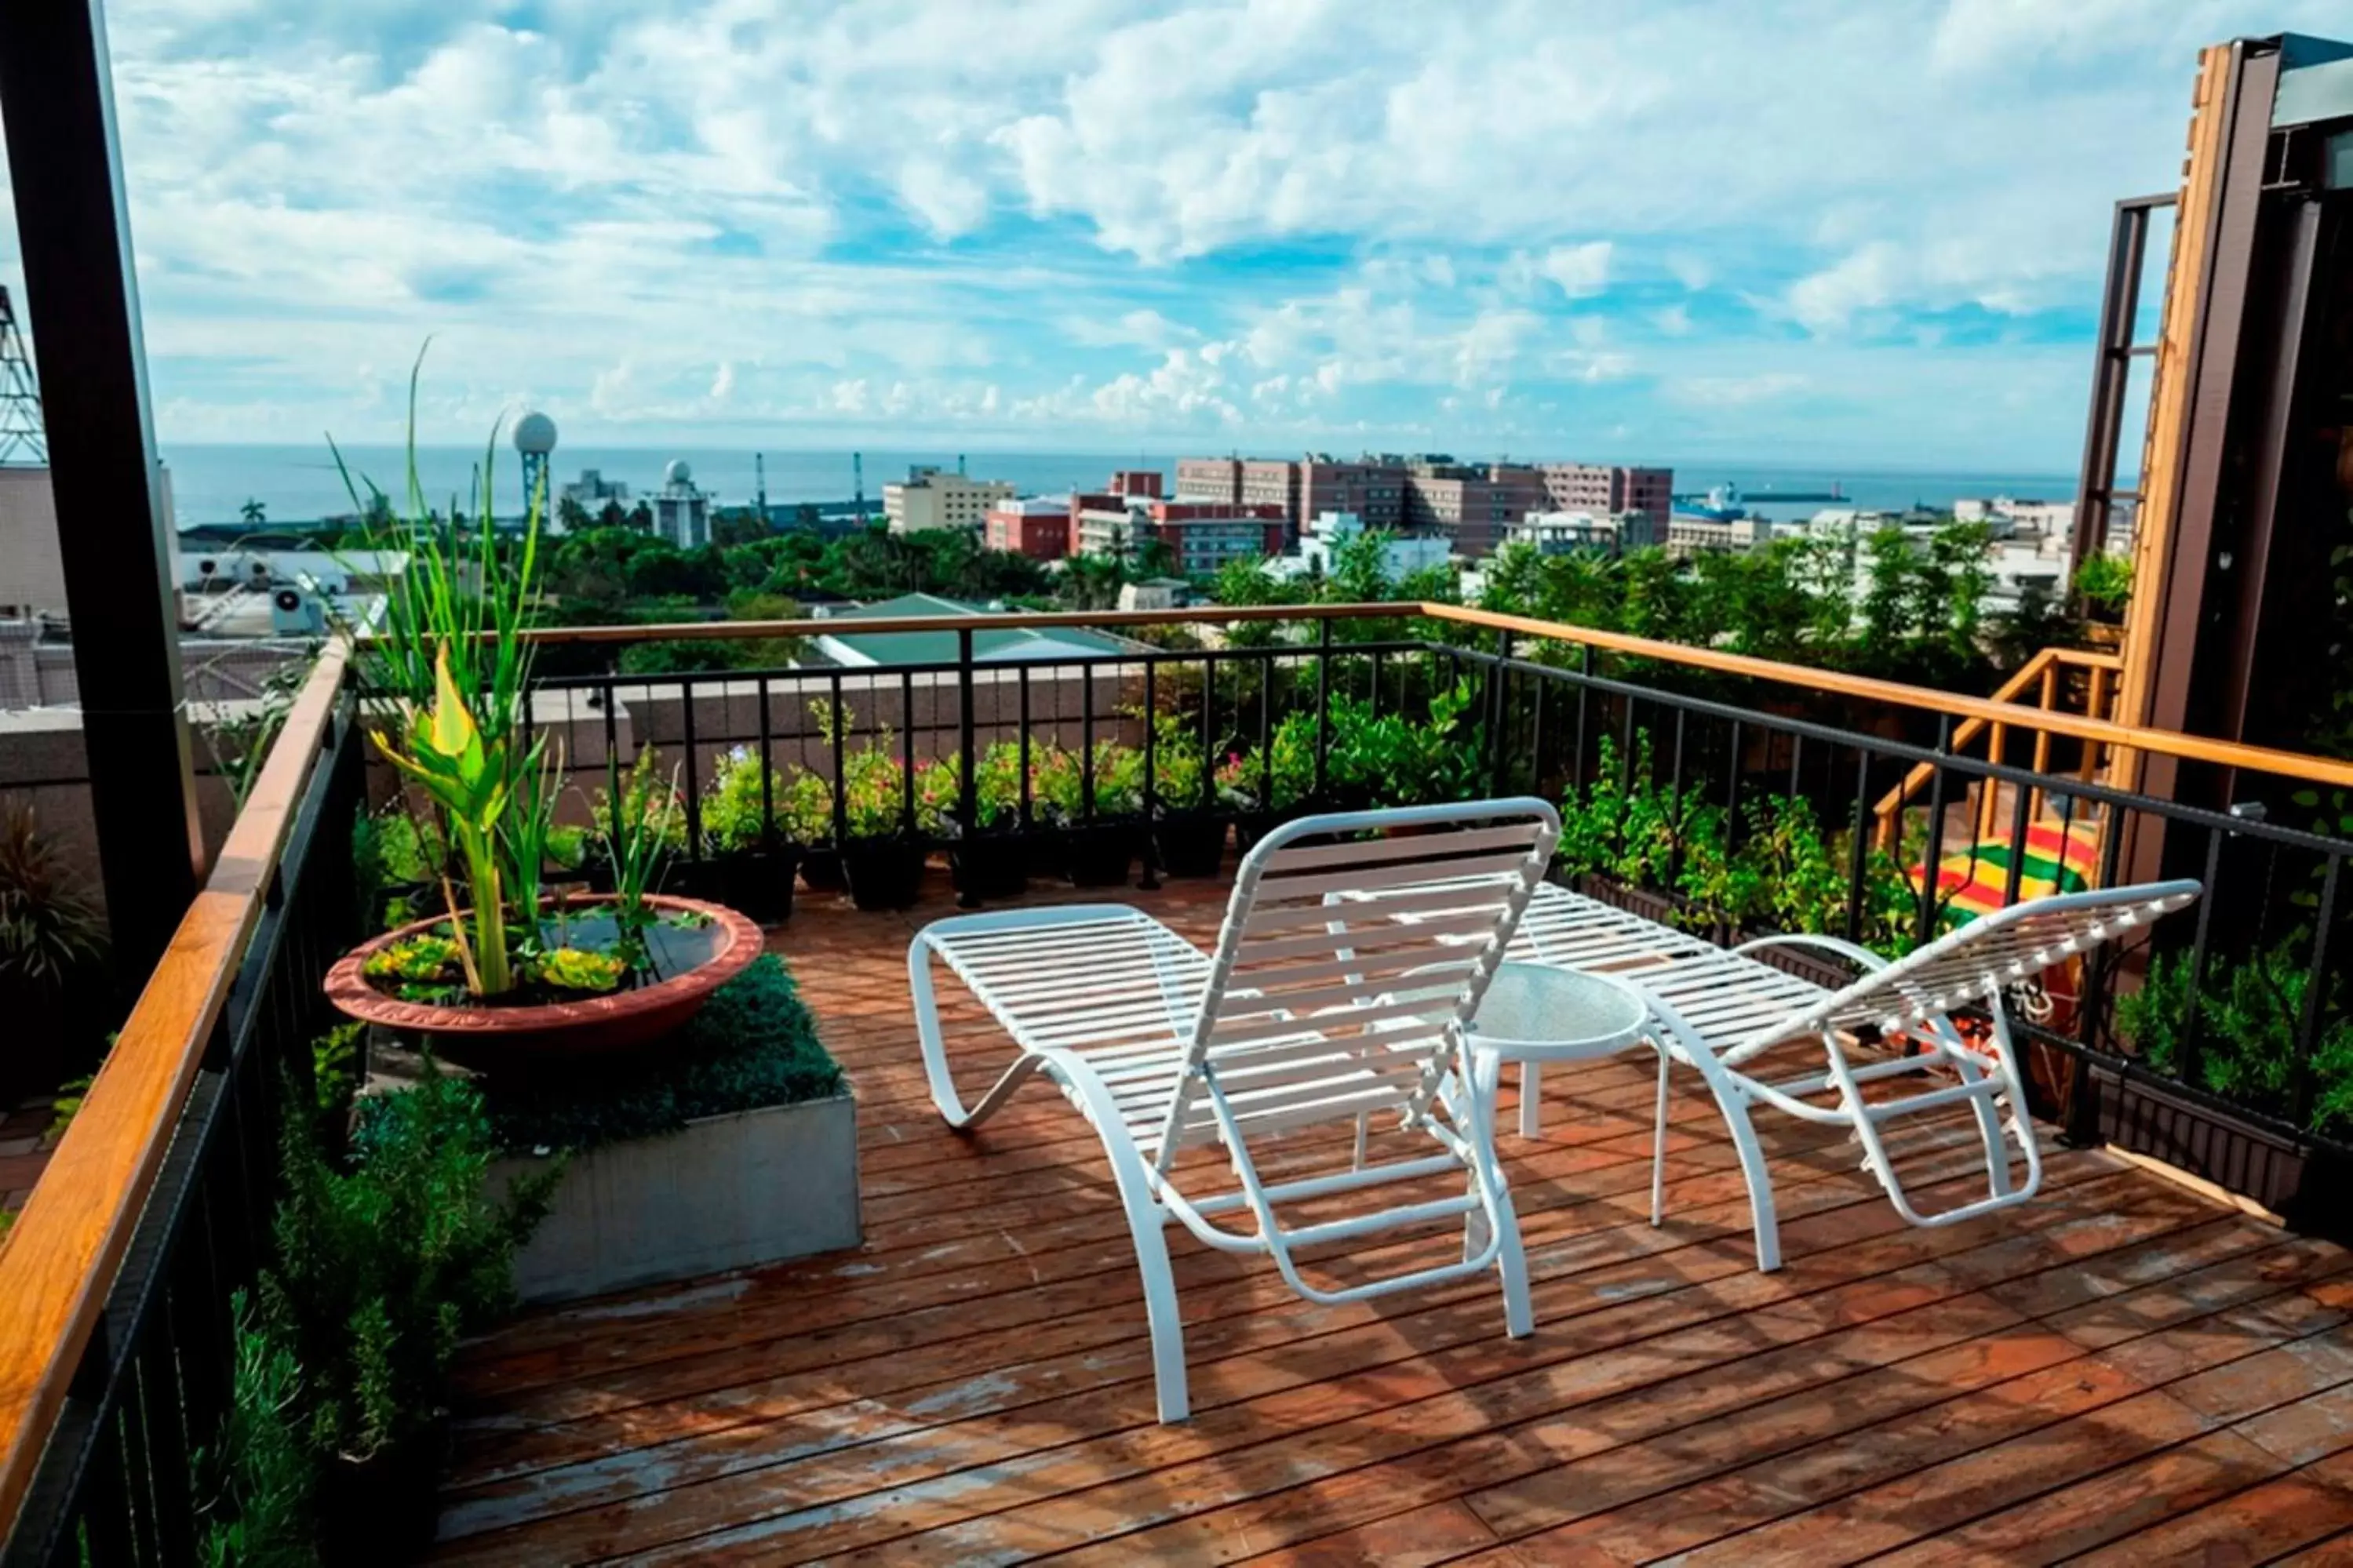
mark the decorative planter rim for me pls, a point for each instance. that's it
(352, 993)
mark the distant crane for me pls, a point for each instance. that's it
(24, 440)
(760, 486)
(858, 478)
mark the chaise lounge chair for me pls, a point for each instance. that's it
(1718, 1011)
(1311, 1013)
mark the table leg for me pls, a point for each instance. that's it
(1531, 1099)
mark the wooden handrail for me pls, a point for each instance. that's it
(2038, 671)
(60, 1261)
(2167, 742)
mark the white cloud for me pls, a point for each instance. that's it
(1580, 270)
(681, 211)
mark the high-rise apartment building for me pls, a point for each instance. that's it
(1201, 535)
(932, 498)
(1471, 503)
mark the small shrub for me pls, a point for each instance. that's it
(2248, 1014)
(262, 1473)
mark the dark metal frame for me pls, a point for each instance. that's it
(82, 293)
(2112, 360)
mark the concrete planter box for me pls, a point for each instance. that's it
(726, 1192)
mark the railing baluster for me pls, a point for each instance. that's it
(768, 779)
(967, 737)
(2018, 831)
(1208, 730)
(1542, 685)
(1675, 804)
(2316, 988)
(1087, 742)
(1584, 707)
(1858, 846)
(841, 798)
(693, 788)
(1025, 747)
(2187, 1051)
(907, 752)
(1931, 866)
(1323, 708)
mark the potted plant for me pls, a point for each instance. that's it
(382, 1261)
(645, 797)
(1188, 826)
(883, 849)
(1272, 783)
(48, 930)
(745, 834)
(989, 860)
(1096, 803)
(500, 974)
(805, 814)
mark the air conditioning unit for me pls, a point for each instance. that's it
(295, 613)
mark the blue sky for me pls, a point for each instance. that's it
(1868, 232)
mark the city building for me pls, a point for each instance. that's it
(1319, 544)
(1688, 535)
(591, 489)
(1138, 482)
(682, 512)
(1201, 535)
(1603, 489)
(1430, 493)
(2023, 516)
(1567, 532)
(931, 498)
(1035, 526)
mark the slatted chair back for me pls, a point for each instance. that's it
(1323, 1003)
(1965, 967)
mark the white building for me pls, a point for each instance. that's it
(930, 499)
(1319, 543)
(2047, 518)
(1564, 532)
(682, 512)
(591, 489)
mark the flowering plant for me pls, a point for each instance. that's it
(1063, 780)
(731, 816)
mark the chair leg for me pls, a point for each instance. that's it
(1659, 1147)
(1734, 1105)
(934, 1048)
(1146, 1225)
(1485, 1076)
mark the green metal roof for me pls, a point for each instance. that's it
(941, 646)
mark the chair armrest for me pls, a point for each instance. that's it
(1839, 945)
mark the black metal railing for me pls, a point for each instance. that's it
(120, 1479)
(1540, 728)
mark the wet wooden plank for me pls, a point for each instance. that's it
(973, 1385)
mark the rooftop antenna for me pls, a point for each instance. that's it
(24, 441)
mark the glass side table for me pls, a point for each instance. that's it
(1538, 1013)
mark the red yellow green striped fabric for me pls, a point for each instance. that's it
(1972, 882)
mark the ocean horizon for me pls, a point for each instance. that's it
(211, 484)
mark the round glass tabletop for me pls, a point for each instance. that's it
(1538, 1011)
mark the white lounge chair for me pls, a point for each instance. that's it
(1309, 1012)
(1718, 1011)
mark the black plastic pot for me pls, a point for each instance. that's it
(380, 1510)
(821, 871)
(2149, 1117)
(884, 873)
(989, 866)
(759, 884)
(1189, 844)
(1099, 854)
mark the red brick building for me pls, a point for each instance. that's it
(1201, 535)
(1035, 526)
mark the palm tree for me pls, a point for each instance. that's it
(254, 512)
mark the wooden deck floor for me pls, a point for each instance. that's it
(2120, 1370)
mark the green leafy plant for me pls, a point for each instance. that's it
(2248, 1015)
(572, 969)
(48, 925)
(2103, 583)
(638, 847)
(424, 959)
(755, 1044)
(805, 808)
(262, 1473)
(469, 777)
(733, 815)
(1063, 781)
(384, 1259)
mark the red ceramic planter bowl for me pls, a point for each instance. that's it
(618, 1022)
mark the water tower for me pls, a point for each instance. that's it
(534, 440)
